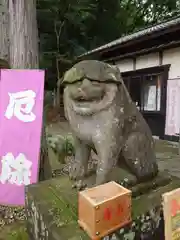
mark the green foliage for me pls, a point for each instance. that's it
(70, 27)
(63, 146)
(69, 147)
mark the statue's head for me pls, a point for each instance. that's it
(89, 85)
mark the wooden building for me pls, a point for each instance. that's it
(149, 61)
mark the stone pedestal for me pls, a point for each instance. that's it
(51, 208)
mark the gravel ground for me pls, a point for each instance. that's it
(9, 215)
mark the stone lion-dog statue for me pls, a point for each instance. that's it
(104, 118)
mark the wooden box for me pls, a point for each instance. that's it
(104, 209)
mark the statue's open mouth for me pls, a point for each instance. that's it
(90, 102)
(82, 98)
(88, 99)
(86, 103)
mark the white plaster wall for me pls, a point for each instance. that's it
(125, 65)
(172, 56)
(148, 60)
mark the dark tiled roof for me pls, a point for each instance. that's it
(140, 33)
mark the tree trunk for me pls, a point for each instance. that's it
(23, 34)
(24, 54)
(4, 30)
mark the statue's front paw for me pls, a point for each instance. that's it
(76, 172)
(79, 185)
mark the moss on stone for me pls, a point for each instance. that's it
(20, 234)
(72, 75)
(14, 232)
(58, 214)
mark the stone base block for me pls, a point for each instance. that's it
(51, 208)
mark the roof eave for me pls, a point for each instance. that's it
(131, 41)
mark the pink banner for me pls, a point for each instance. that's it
(21, 108)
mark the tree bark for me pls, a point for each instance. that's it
(24, 54)
(4, 30)
(23, 34)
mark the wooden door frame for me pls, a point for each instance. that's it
(164, 70)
